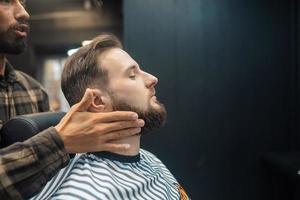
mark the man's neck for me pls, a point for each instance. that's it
(2, 64)
(134, 142)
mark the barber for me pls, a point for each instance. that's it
(26, 167)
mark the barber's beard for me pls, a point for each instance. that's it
(153, 117)
(10, 44)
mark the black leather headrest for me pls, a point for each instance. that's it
(23, 127)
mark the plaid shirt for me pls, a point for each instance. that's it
(26, 167)
(20, 94)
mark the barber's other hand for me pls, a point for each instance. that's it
(83, 131)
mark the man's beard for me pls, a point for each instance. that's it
(11, 45)
(153, 117)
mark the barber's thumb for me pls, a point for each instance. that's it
(86, 101)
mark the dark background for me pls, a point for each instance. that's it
(228, 75)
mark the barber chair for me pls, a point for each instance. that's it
(23, 127)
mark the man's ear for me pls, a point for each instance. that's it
(99, 102)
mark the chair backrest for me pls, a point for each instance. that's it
(23, 127)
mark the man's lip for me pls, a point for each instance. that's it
(152, 96)
(22, 30)
(152, 93)
(21, 33)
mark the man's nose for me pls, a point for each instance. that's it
(20, 12)
(151, 80)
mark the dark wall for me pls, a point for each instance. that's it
(297, 58)
(227, 71)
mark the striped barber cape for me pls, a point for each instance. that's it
(105, 175)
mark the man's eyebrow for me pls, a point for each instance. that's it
(131, 67)
(22, 2)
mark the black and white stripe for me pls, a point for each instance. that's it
(90, 176)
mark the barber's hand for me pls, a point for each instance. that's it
(83, 131)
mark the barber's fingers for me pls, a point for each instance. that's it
(85, 102)
(106, 128)
(102, 117)
(115, 135)
(83, 105)
(99, 142)
(115, 116)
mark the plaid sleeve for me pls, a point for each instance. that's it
(44, 103)
(26, 167)
(35, 90)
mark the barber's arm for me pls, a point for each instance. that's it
(26, 167)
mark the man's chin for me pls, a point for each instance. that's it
(16, 47)
(154, 118)
(157, 105)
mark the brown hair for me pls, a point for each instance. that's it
(82, 70)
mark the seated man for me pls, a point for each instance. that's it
(118, 84)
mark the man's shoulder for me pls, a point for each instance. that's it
(146, 152)
(147, 155)
(28, 81)
(22, 76)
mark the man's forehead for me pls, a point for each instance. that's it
(116, 59)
